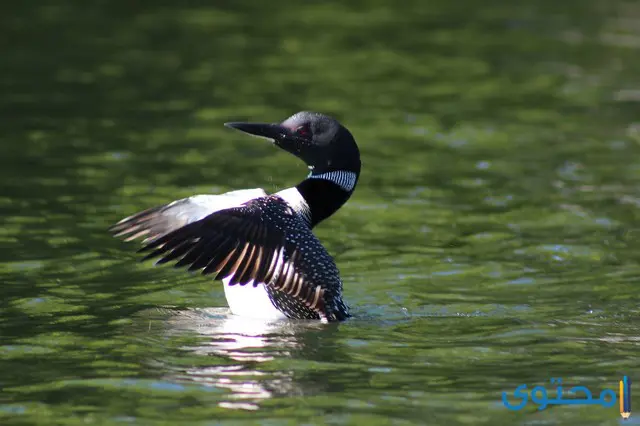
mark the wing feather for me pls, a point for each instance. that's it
(238, 243)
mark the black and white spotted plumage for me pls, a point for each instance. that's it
(249, 239)
(262, 241)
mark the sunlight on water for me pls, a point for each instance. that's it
(491, 241)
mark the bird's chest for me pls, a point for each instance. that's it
(250, 301)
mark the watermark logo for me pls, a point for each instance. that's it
(625, 397)
(577, 395)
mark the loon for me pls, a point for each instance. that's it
(262, 246)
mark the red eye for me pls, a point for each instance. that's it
(303, 130)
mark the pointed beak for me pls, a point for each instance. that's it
(264, 130)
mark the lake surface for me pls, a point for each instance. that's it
(493, 239)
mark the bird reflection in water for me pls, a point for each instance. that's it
(248, 344)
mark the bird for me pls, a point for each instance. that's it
(262, 246)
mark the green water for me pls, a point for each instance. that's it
(492, 240)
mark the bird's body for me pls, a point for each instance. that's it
(262, 246)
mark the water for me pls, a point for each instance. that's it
(492, 240)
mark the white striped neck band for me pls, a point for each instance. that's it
(345, 180)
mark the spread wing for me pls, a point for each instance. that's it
(158, 221)
(245, 243)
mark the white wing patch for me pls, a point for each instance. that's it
(158, 221)
(208, 204)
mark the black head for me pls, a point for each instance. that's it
(320, 141)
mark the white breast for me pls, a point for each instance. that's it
(249, 301)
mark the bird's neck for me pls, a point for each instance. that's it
(325, 193)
